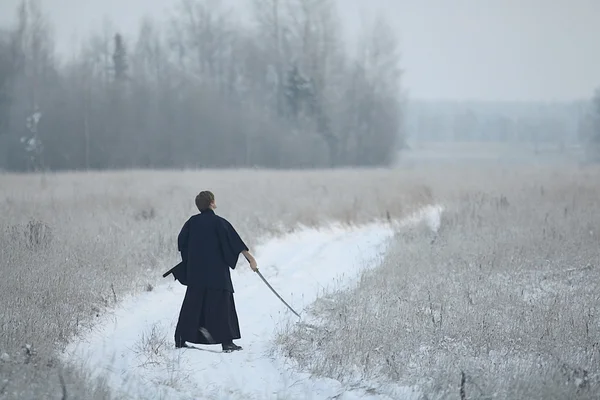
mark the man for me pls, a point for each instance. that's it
(209, 247)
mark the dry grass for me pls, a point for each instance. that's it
(72, 244)
(505, 297)
(502, 303)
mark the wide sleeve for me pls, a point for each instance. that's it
(183, 240)
(231, 243)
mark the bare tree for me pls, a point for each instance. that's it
(33, 53)
(595, 137)
(154, 98)
(313, 77)
(589, 130)
(205, 32)
(6, 94)
(273, 41)
(377, 92)
(6, 80)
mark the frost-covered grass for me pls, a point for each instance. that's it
(504, 299)
(502, 303)
(72, 244)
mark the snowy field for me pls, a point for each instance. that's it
(501, 302)
(74, 245)
(134, 344)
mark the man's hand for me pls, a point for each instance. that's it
(251, 260)
(253, 265)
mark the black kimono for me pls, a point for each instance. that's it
(209, 247)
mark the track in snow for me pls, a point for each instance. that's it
(299, 266)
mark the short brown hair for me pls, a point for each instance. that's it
(204, 199)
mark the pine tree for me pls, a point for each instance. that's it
(120, 59)
(6, 72)
(298, 92)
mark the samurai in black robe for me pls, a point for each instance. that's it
(210, 247)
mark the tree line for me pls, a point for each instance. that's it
(563, 126)
(527, 123)
(590, 128)
(201, 90)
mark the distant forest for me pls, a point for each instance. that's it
(202, 91)
(557, 123)
(285, 91)
(540, 126)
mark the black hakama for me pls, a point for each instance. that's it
(208, 316)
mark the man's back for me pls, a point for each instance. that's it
(210, 247)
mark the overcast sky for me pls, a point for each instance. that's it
(451, 49)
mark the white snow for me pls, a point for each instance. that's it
(299, 266)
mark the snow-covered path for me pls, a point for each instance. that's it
(299, 266)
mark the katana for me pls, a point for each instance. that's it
(276, 294)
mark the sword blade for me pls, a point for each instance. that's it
(276, 294)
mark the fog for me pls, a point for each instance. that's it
(295, 83)
(300, 114)
(460, 50)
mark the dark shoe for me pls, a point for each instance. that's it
(229, 347)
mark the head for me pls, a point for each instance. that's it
(205, 200)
